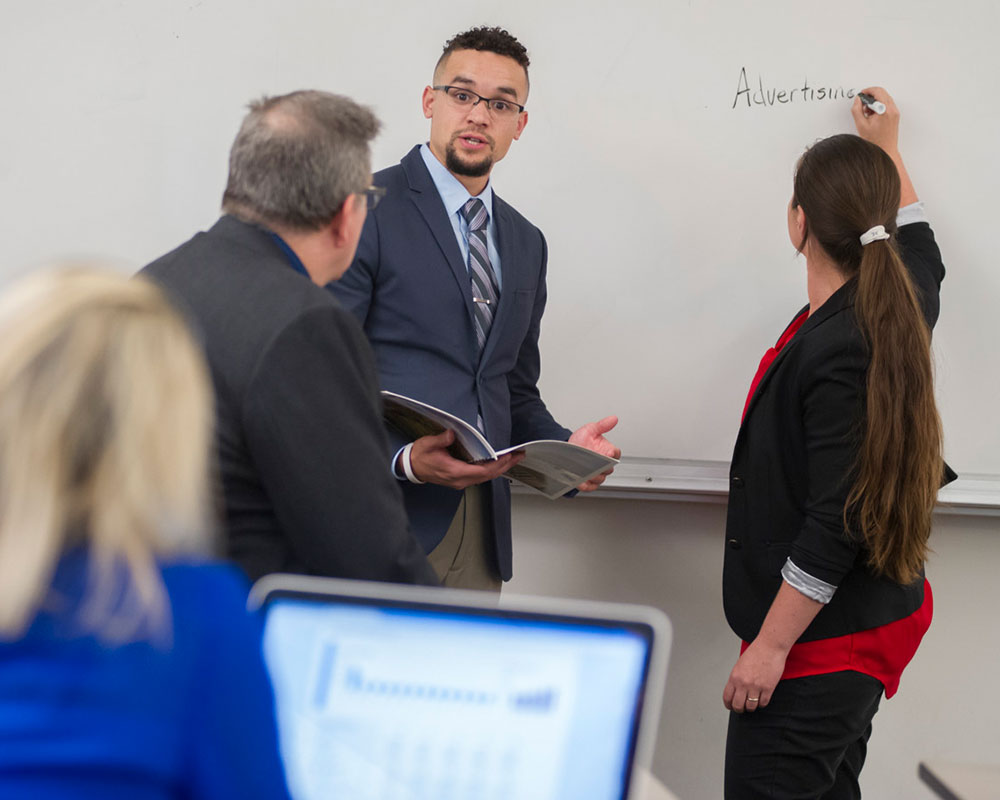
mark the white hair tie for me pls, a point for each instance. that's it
(874, 235)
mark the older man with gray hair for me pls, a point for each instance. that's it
(302, 452)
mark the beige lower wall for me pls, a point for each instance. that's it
(669, 555)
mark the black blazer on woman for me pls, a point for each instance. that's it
(792, 468)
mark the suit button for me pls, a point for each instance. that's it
(736, 482)
(734, 544)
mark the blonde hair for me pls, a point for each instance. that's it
(105, 426)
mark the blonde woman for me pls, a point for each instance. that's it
(128, 667)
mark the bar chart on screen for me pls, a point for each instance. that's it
(391, 728)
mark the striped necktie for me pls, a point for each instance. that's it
(485, 292)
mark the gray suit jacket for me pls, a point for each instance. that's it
(301, 448)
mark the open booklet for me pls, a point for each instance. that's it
(550, 466)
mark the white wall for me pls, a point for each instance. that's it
(669, 555)
(662, 193)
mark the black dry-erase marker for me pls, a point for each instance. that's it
(869, 100)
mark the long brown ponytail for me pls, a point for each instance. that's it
(845, 186)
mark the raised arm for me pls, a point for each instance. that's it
(883, 130)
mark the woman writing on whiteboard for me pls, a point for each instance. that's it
(129, 667)
(834, 477)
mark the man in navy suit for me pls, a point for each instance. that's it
(449, 284)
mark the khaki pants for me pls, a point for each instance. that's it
(463, 559)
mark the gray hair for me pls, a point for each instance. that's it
(297, 158)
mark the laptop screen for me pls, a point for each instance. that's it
(390, 698)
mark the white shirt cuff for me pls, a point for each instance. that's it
(914, 212)
(403, 459)
(811, 587)
(394, 462)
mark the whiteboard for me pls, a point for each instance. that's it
(660, 186)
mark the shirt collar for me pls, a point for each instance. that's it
(453, 193)
(293, 259)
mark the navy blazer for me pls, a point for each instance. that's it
(410, 289)
(793, 462)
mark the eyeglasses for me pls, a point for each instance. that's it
(462, 97)
(373, 194)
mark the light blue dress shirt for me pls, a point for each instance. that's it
(454, 195)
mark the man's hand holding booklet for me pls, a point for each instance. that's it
(549, 466)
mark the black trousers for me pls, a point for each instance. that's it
(809, 742)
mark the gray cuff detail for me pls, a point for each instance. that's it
(914, 212)
(813, 588)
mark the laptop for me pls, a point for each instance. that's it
(413, 693)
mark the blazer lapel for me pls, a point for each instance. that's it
(510, 258)
(425, 197)
(774, 365)
(841, 299)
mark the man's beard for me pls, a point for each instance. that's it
(457, 166)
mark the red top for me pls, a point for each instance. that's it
(772, 354)
(881, 652)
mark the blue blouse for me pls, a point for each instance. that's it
(194, 719)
